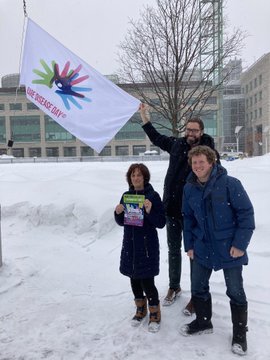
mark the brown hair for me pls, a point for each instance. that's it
(202, 150)
(198, 121)
(143, 169)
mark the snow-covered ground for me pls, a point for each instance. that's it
(61, 294)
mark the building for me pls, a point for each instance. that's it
(31, 133)
(255, 83)
(233, 109)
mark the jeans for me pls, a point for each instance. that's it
(174, 239)
(147, 286)
(233, 280)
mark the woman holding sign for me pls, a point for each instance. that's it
(140, 212)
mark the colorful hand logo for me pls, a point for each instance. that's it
(65, 82)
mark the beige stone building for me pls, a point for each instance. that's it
(255, 83)
(34, 134)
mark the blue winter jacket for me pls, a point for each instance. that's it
(140, 249)
(217, 216)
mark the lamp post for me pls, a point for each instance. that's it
(237, 131)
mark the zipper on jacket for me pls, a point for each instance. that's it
(133, 241)
(145, 246)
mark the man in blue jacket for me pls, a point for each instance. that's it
(218, 225)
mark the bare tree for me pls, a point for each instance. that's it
(170, 51)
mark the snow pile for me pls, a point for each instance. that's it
(61, 293)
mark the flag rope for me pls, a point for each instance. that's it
(24, 8)
(20, 61)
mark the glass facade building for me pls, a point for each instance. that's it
(34, 134)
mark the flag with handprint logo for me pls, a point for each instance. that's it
(71, 92)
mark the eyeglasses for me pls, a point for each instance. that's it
(193, 131)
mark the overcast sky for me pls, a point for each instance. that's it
(93, 29)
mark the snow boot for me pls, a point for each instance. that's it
(141, 311)
(154, 318)
(202, 324)
(171, 296)
(189, 309)
(239, 319)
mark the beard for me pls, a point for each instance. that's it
(192, 141)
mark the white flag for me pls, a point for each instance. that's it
(71, 92)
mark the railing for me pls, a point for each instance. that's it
(137, 158)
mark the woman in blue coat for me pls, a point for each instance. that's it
(140, 250)
(218, 225)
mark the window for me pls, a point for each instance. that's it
(260, 112)
(52, 151)
(255, 82)
(2, 129)
(255, 99)
(139, 149)
(31, 106)
(87, 151)
(260, 95)
(211, 100)
(70, 151)
(55, 132)
(2, 107)
(18, 152)
(121, 150)
(15, 106)
(260, 79)
(35, 152)
(157, 149)
(132, 130)
(106, 151)
(25, 128)
(210, 122)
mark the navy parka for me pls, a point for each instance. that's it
(140, 249)
(217, 216)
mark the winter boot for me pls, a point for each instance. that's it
(154, 318)
(189, 309)
(202, 324)
(239, 320)
(141, 311)
(171, 296)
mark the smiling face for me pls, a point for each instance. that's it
(193, 133)
(201, 167)
(137, 179)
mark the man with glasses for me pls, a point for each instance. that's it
(175, 180)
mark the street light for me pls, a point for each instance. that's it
(237, 131)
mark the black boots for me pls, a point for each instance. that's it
(239, 320)
(202, 324)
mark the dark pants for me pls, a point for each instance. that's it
(174, 239)
(233, 280)
(145, 286)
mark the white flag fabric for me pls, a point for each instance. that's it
(71, 92)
